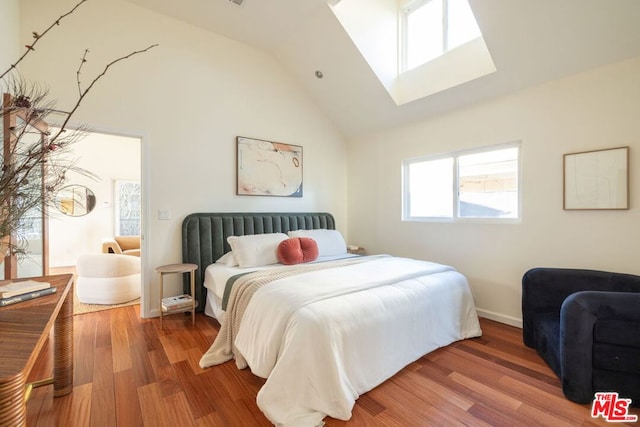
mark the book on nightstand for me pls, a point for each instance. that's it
(173, 303)
(11, 288)
(27, 296)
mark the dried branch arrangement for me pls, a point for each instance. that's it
(35, 160)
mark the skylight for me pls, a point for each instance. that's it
(432, 27)
(416, 48)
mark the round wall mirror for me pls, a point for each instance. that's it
(75, 200)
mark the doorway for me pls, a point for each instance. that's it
(113, 160)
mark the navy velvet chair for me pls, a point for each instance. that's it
(586, 325)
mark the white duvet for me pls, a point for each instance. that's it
(323, 338)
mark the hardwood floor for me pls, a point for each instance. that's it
(129, 373)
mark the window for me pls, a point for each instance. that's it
(127, 208)
(474, 184)
(431, 28)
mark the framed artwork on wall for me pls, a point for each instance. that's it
(266, 168)
(597, 179)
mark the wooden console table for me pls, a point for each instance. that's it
(24, 329)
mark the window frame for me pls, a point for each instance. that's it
(405, 11)
(455, 155)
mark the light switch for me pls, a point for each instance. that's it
(164, 214)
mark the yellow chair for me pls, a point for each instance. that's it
(125, 245)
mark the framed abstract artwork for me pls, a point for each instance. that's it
(266, 168)
(597, 179)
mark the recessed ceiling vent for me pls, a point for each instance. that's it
(238, 2)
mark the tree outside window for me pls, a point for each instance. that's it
(128, 208)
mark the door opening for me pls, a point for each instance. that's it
(113, 159)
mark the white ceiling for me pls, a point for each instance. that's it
(531, 41)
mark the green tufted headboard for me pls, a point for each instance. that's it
(204, 235)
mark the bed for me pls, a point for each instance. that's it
(324, 332)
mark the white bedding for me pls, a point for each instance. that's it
(217, 274)
(323, 338)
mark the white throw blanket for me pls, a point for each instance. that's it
(323, 338)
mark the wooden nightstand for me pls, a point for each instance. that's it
(178, 268)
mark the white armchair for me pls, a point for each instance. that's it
(108, 278)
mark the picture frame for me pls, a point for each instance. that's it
(267, 168)
(597, 179)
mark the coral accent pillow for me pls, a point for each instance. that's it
(297, 250)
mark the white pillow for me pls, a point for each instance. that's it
(330, 242)
(228, 259)
(254, 250)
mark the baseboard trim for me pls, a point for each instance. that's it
(491, 315)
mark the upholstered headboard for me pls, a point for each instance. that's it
(204, 235)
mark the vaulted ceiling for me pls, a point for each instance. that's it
(530, 41)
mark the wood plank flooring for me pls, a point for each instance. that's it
(130, 373)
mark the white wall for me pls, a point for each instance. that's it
(373, 27)
(593, 110)
(188, 98)
(9, 33)
(108, 158)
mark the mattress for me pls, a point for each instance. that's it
(217, 274)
